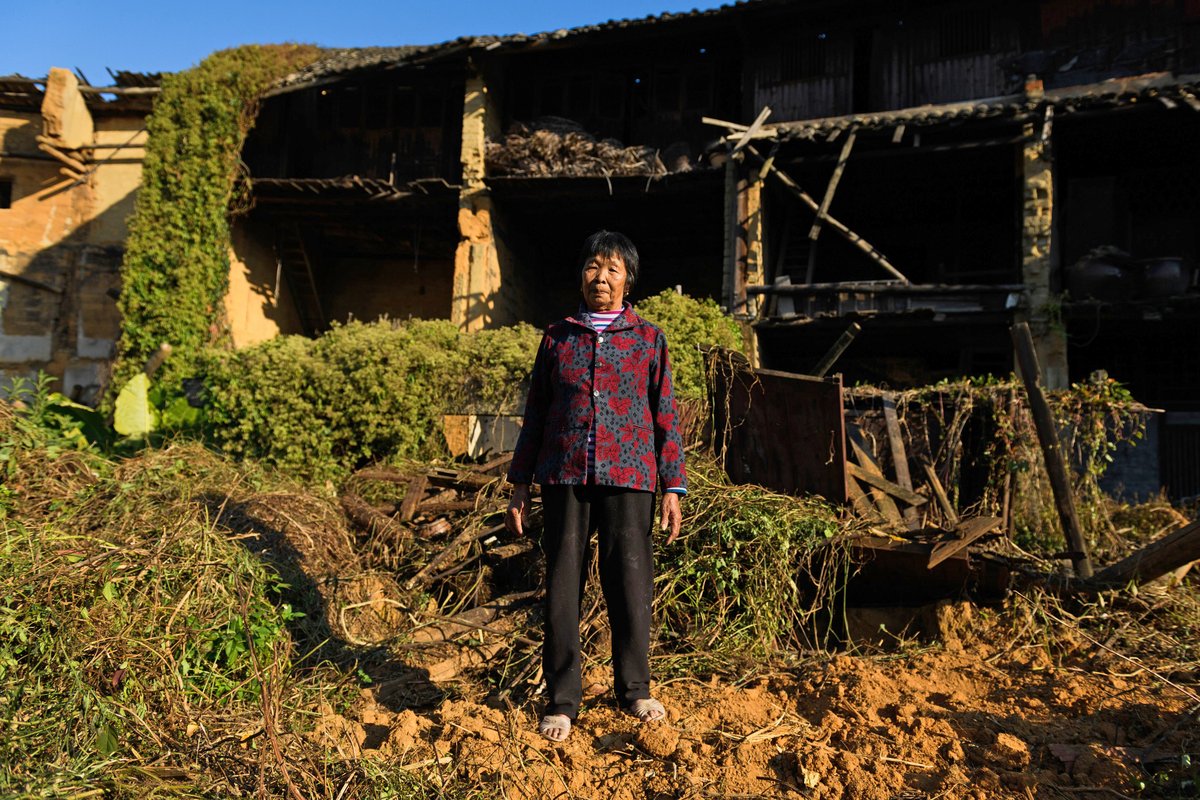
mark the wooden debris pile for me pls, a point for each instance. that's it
(469, 583)
(560, 147)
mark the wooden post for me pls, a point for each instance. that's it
(1056, 467)
(1038, 259)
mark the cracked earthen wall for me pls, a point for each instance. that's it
(64, 238)
(486, 291)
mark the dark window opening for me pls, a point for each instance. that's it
(6, 193)
(610, 98)
(432, 108)
(666, 90)
(699, 95)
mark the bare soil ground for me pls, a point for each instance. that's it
(963, 718)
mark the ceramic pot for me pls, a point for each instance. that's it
(1101, 278)
(1165, 277)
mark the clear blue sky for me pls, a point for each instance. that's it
(169, 35)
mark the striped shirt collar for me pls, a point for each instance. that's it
(625, 315)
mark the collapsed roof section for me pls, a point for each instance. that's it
(129, 92)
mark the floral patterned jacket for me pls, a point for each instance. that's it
(618, 382)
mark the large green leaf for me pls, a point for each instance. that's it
(134, 416)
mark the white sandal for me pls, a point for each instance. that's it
(647, 709)
(555, 727)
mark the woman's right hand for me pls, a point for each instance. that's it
(518, 509)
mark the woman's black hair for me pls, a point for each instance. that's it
(611, 243)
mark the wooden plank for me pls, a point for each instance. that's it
(412, 498)
(967, 532)
(899, 454)
(884, 485)
(849, 235)
(866, 464)
(815, 231)
(939, 492)
(1173, 551)
(754, 128)
(858, 498)
(499, 461)
(830, 358)
(720, 123)
(1047, 432)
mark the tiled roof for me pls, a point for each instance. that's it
(337, 62)
(1163, 87)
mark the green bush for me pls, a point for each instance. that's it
(689, 325)
(361, 392)
(365, 392)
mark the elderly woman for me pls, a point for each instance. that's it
(600, 435)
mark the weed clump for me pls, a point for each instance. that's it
(733, 585)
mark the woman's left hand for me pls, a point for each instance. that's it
(672, 517)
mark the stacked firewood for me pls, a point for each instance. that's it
(555, 146)
(467, 583)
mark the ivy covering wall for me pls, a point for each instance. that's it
(176, 268)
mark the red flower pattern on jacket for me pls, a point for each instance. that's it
(576, 386)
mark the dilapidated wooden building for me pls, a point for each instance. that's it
(933, 171)
(937, 171)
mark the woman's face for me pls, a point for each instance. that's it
(604, 282)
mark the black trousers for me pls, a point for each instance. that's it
(624, 519)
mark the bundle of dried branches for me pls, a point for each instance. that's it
(554, 146)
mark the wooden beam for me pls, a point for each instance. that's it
(887, 506)
(73, 163)
(720, 123)
(1175, 550)
(830, 358)
(815, 231)
(899, 454)
(849, 235)
(13, 276)
(884, 485)
(862, 505)
(967, 532)
(754, 128)
(1047, 432)
(413, 496)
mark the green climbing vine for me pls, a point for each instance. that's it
(176, 266)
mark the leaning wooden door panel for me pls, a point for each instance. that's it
(778, 429)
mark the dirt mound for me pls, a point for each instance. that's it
(969, 724)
